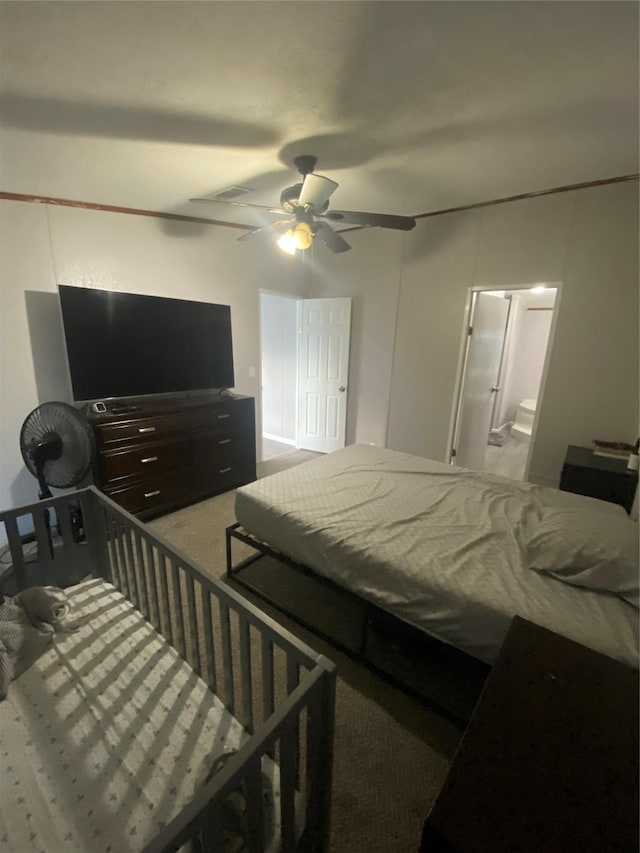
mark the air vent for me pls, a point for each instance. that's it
(230, 193)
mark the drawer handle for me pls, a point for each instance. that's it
(224, 470)
(222, 417)
(152, 494)
(225, 441)
(146, 429)
(150, 459)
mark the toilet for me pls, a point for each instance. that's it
(523, 424)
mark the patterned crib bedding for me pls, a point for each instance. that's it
(107, 736)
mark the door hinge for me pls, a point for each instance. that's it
(454, 453)
(470, 330)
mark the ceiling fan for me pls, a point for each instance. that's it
(305, 205)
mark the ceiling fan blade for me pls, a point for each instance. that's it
(383, 220)
(266, 230)
(316, 190)
(330, 238)
(240, 204)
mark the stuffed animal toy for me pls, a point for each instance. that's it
(27, 625)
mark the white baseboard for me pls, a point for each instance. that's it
(280, 439)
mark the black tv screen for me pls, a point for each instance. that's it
(128, 345)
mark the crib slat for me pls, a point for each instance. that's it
(208, 640)
(116, 557)
(287, 789)
(43, 535)
(177, 602)
(227, 658)
(151, 563)
(132, 559)
(123, 549)
(164, 593)
(293, 679)
(246, 676)
(267, 676)
(145, 608)
(193, 625)
(104, 524)
(255, 805)
(15, 547)
(314, 798)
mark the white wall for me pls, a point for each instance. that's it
(370, 275)
(279, 328)
(419, 283)
(46, 245)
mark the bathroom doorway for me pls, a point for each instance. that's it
(507, 342)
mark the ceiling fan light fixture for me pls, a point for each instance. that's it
(287, 242)
(303, 235)
(299, 237)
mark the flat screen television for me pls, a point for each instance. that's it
(129, 345)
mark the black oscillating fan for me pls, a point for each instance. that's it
(56, 442)
(57, 446)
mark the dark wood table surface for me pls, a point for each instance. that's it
(549, 761)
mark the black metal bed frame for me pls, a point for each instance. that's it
(406, 644)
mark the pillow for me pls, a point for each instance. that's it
(588, 549)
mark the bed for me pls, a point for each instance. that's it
(174, 716)
(451, 552)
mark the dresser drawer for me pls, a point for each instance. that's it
(151, 494)
(141, 428)
(143, 459)
(222, 416)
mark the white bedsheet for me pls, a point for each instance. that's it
(437, 546)
(106, 737)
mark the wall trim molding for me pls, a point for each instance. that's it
(585, 185)
(132, 211)
(111, 208)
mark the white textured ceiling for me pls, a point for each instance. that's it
(410, 106)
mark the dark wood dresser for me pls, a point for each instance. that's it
(153, 457)
(549, 762)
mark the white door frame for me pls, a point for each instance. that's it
(464, 349)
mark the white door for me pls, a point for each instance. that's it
(323, 373)
(479, 383)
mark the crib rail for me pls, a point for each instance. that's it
(280, 690)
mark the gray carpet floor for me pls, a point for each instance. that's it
(391, 752)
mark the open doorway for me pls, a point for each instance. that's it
(304, 372)
(279, 368)
(508, 336)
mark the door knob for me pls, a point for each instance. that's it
(342, 388)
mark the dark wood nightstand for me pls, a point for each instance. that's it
(602, 477)
(549, 762)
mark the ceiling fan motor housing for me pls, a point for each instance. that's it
(289, 200)
(289, 197)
